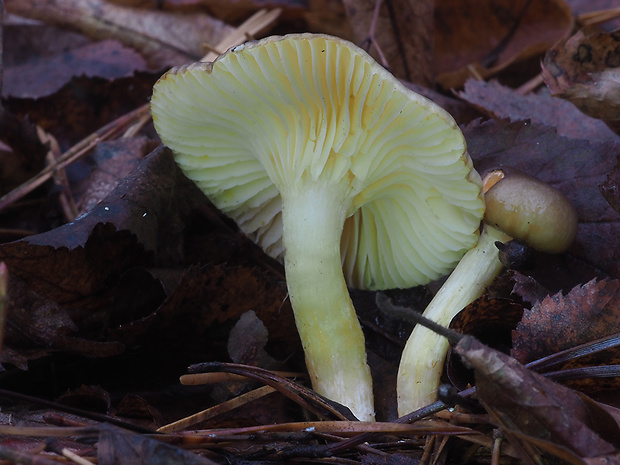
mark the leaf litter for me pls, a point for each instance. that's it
(150, 279)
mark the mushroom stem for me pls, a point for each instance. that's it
(330, 332)
(422, 360)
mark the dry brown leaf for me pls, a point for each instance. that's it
(611, 187)
(163, 38)
(491, 321)
(527, 402)
(584, 70)
(403, 35)
(500, 102)
(43, 76)
(559, 322)
(489, 35)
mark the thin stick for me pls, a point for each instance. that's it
(74, 153)
(196, 379)
(257, 22)
(211, 412)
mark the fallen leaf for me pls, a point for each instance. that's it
(247, 341)
(164, 39)
(110, 163)
(106, 59)
(491, 321)
(559, 322)
(84, 105)
(584, 70)
(403, 35)
(120, 447)
(489, 35)
(208, 299)
(525, 401)
(23, 154)
(610, 188)
(502, 102)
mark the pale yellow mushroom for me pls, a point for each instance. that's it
(334, 167)
(517, 206)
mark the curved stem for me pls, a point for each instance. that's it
(422, 361)
(333, 342)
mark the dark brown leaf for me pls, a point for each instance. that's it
(529, 403)
(84, 105)
(120, 447)
(584, 70)
(611, 187)
(491, 34)
(107, 59)
(501, 102)
(155, 34)
(403, 36)
(491, 321)
(204, 299)
(586, 313)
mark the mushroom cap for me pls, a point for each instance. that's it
(269, 116)
(530, 210)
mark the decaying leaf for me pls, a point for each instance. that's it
(527, 402)
(559, 322)
(610, 188)
(584, 70)
(111, 163)
(106, 59)
(502, 102)
(399, 35)
(120, 447)
(487, 36)
(163, 38)
(247, 341)
(490, 320)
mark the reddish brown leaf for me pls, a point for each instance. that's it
(491, 321)
(155, 34)
(586, 313)
(584, 70)
(84, 105)
(117, 446)
(489, 35)
(501, 102)
(107, 59)
(527, 402)
(611, 187)
(403, 36)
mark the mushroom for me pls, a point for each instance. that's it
(518, 206)
(331, 165)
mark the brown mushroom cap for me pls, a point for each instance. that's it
(528, 209)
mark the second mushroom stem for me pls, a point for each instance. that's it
(422, 361)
